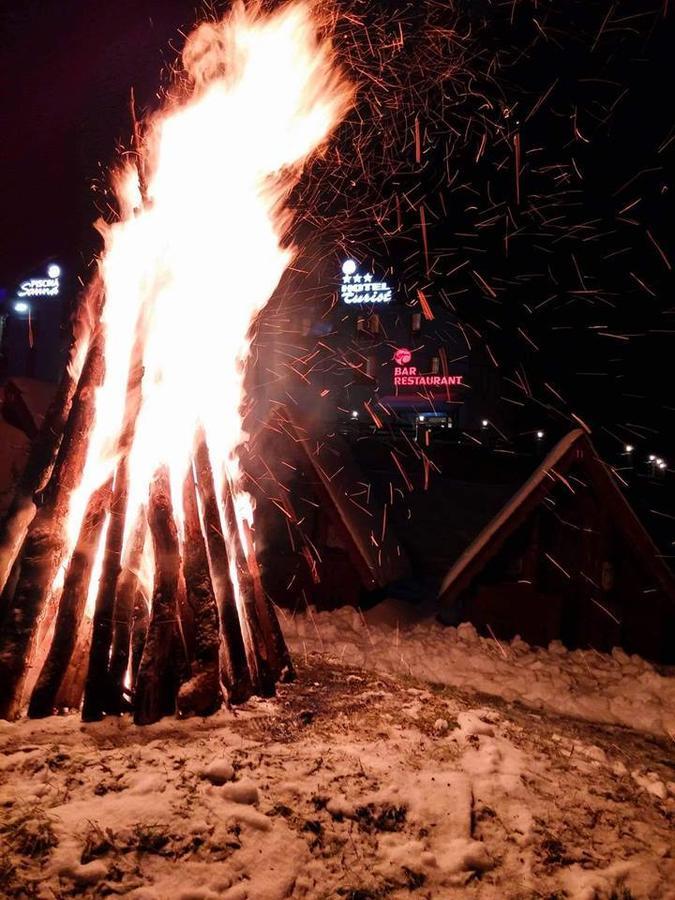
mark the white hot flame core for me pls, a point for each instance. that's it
(189, 270)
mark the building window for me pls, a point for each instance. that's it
(368, 325)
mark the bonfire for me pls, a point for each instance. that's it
(127, 559)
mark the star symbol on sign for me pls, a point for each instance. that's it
(346, 279)
(357, 279)
(367, 277)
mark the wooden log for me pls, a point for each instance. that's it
(70, 693)
(157, 680)
(97, 695)
(235, 669)
(281, 658)
(139, 632)
(71, 606)
(127, 589)
(9, 588)
(260, 650)
(201, 695)
(45, 544)
(44, 448)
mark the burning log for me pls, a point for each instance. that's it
(236, 674)
(157, 679)
(70, 693)
(71, 607)
(127, 590)
(98, 694)
(139, 632)
(97, 697)
(45, 446)
(260, 650)
(45, 544)
(202, 694)
(283, 665)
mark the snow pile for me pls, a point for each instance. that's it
(609, 688)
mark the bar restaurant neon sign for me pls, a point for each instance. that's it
(406, 375)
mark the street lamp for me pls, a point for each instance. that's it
(540, 435)
(21, 307)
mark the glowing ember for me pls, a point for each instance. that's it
(190, 265)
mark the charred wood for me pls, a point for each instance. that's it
(201, 695)
(127, 589)
(236, 674)
(157, 680)
(45, 543)
(71, 607)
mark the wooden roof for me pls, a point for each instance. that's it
(574, 448)
(341, 486)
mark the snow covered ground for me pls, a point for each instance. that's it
(350, 784)
(617, 688)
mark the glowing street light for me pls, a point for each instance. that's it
(355, 414)
(652, 458)
(54, 271)
(21, 307)
(540, 435)
(629, 448)
(485, 423)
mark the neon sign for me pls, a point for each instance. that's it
(408, 376)
(402, 357)
(42, 287)
(358, 288)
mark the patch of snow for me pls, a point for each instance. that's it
(609, 688)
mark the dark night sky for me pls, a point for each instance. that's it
(67, 66)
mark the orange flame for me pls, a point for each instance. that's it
(188, 268)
